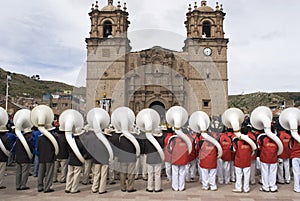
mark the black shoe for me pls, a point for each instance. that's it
(123, 190)
(55, 181)
(160, 190)
(2, 187)
(112, 182)
(76, 192)
(103, 192)
(132, 190)
(62, 182)
(279, 182)
(25, 188)
(94, 191)
(83, 183)
(18, 189)
(66, 191)
(49, 191)
(40, 190)
(149, 190)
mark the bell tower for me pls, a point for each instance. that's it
(206, 47)
(107, 47)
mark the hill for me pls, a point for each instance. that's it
(22, 85)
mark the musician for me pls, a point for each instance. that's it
(208, 163)
(154, 163)
(74, 167)
(179, 158)
(61, 158)
(23, 161)
(268, 159)
(295, 157)
(3, 151)
(284, 175)
(46, 153)
(224, 162)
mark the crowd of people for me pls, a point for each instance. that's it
(239, 164)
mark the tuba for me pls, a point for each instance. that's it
(3, 122)
(42, 116)
(99, 119)
(233, 118)
(22, 121)
(261, 118)
(177, 116)
(148, 120)
(71, 121)
(199, 122)
(289, 119)
(122, 119)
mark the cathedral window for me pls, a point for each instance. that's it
(107, 29)
(206, 29)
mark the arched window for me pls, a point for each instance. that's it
(206, 29)
(107, 29)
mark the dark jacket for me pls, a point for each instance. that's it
(21, 154)
(62, 144)
(6, 143)
(46, 151)
(153, 156)
(73, 160)
(126, 151)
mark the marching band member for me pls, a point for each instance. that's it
(168, 166)
(224, 162)
(46, 153)
(23, 161)
(61, 158)
(208, 163)
(268, 159)
(295, 157)
(179, 158)
(242, 163)
(154, 163)
(284, 175)
(3, 156)
(74, 167)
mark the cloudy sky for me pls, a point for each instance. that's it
(48, 38)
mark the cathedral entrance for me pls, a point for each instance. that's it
(159, 107)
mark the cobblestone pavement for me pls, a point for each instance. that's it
(193, 192)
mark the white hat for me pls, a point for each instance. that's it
(27, 130)
(3, 128)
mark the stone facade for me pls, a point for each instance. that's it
(195, 78)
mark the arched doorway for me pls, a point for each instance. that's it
(160, 108)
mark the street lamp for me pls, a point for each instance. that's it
(8, 78)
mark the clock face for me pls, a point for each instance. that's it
(207, 51)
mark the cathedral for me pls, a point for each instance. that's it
(195, 78)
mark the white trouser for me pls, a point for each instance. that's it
(223, 171)
(268, 176)
(239, 172)
(190, 170)
(199, 170)
(178, 177)
(284, 170)
(141, 166)
(168, 167)
(209, 178)
(154, 179)
(252, 172)
(296, 173)
(232, 171)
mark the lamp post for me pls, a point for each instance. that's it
(8, 78)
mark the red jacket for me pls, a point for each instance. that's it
(285, 139)
(242, 153)
(166, 153)
(295, 146)
(226, 142)
(268, 149)
(179, 151)
(208, 155)
(253, 137)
